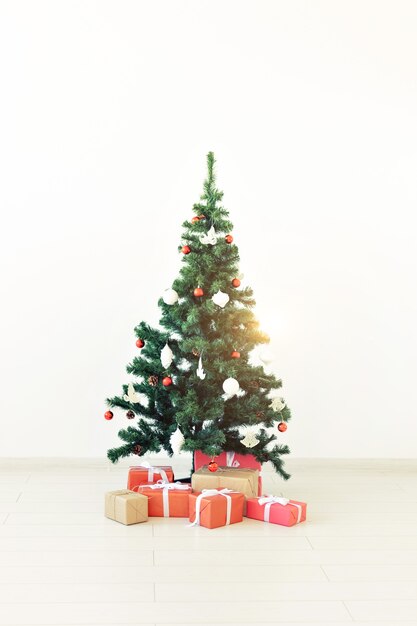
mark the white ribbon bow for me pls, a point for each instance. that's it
(162, 485)
(230, 460)
(152, 471)
(269, 501)
(167, 487)
(213, 492)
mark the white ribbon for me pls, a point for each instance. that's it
(152, 471)
(230, 460)
(271, 500)
(213, 492)
(167, 487)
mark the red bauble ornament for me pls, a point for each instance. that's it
(186, 249)
(195, 219)
(108, 415)
(140, 343)
(282, 427)
(228, 239)
(167, 381)
(198, 292)
(201, 217)
(236, 282)
(130, 415)
(212, 466)
(235, 354)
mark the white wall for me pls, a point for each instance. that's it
(107, 112)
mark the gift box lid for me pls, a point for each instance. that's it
(244, 480)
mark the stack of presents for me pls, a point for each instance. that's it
(213, 499)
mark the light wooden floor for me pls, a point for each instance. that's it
(354, 561)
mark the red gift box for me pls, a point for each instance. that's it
(276, 510)
(227, 459)
(213, 508)
(146, 474)
(167, 499)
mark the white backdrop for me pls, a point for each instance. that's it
(107, 112)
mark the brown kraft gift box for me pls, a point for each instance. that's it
(243, 480)
(126, 507)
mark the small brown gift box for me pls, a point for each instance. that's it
(126, 507)
(243, 480)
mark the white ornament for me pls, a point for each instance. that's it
(210, 238)
(250, 440)
(132, 396)
(176, 441)
(266, 356)
(277, 404)
(170, 296)
(184, 365)
(167, 356)
(200, 371)
(230, 387)
(221, 299)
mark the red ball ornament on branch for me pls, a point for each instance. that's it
(282, 427)
(235, 354)
(167, 381)
(212, 466)
(140, 343)
(108, 415)
(198, 292)
(186, 249)
(201, 217)
(236, 282)
(228, 239)
(195, 219)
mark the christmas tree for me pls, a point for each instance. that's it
(195, 385)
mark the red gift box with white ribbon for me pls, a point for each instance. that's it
(146, 474)
(276, 510)
(167, 499)
(213, 508)
(227, 459)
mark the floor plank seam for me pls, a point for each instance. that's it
(324, 572)
(347, 609)
(309, 542)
